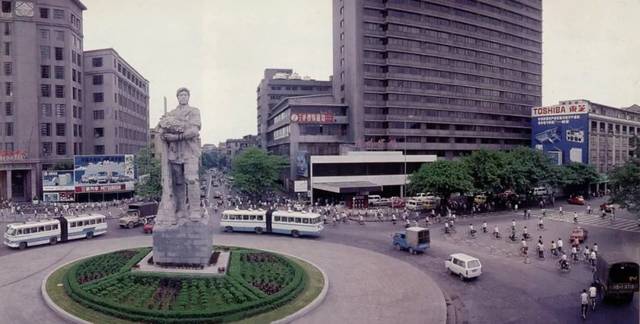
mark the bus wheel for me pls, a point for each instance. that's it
(295, 233)
(228, 229)
(53, 241)
(23, 245)
(89, 235)
(259, 230)
(130, 225)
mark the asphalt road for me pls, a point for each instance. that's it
(509, 290)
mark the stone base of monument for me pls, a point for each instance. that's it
(219, 268)
(184, 244)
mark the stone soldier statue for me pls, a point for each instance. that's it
(180, 149)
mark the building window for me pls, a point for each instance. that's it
(96, 61)
(59, 91)
(45, 71)
(47, 147)
(98, 132)
(44, 13)
(8, 146)
(59, 56)
(59, 72)
(9, 129)
(46, 110)
(44, 34)
(45, 52)
(98, 114)
(45, 129)
(99, 149)
(6, 6)
(74, 93)
(61, 148)
(45, 90)
(60, 130)
(98, 97)
(7, 48)
(8, 108)
(61, 110)
(59, 35)
(97, 79)
(8, 68)
(58, 14)
(8, 89)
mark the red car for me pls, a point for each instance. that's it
(148, 227)
(578, 233)
(576, 200)
(397, 202)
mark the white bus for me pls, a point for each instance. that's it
(52, 231)
(294, 223)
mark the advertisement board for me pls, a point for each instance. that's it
(302, 164)
(562, 131)
(313, 118)
(57, 181)
(63, 196)
(103, 173)
(300, 186)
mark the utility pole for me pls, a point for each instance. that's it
(165, 105)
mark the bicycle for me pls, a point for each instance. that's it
(592, 303)
(583, 311)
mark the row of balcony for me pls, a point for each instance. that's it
(448, 120)
(447, 133)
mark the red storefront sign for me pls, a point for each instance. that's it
(102, 188)
(313, 118)
(13, 155)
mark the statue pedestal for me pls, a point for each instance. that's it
(187, 243)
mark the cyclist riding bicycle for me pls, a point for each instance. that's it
(592, 258)
(525, 234)
(496, 232)
(540, 250)
(575, 217)
(560, 245)
(574, 253)
(472, 231)
(554, 250)
(484, 227)
(593, 291)
(446, 227)
(564, 264)
(540, 223)
(586, 253)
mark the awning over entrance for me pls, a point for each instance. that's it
(347, 187)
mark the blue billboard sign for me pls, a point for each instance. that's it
(562, 131)
(103, 173)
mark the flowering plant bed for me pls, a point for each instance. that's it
(257, 282)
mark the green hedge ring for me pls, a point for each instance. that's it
(256, 282)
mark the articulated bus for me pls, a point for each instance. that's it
(52, 231)
(617, 276)
(272, 221)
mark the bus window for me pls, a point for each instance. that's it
(305, 221)
(290, 220)
(245, 217)
(253, 217)
(260, 217)
(20, 232)
(55, 226)
(72, 224)
(298, 220)
(276, 218)
(47, 228)
(87, 222)
(41, 229)
(93, 222)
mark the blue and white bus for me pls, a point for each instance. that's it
(52, 231)
(293, 223)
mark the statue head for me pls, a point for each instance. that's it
(183, 95)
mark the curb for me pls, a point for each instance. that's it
(53, 306)
(288, 319)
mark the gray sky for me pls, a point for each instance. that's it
(219, 49)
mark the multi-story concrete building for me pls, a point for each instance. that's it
(586, 132)
(438, 77)
(300, 127)
(234, 146)
(278, 84)
(41, 98)
(116, 102)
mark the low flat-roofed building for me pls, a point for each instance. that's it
(345, 177)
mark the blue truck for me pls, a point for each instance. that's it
(414, 239)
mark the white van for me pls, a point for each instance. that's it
(374, 199)
(540, 191)
(413, 204)
(463, 265)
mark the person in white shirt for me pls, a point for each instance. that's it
(560, 245)
(574, 253)
(361, 219)
(575, 217)
(560, 210)
(496, 231)
(540, 250)
(595, 247)
(472, 231)
(540, 223)
(584, 302)
(525, 233)
(586, 253)
(592, 257)
(563, 261)
(484, 227)
(554, 251)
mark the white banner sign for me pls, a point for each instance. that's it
(300, 186)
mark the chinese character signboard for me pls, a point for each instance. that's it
(313, 118)
(103, 173)
(562, 131)
(13, 155)
(57, 181)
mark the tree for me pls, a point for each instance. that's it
(442, 178)
(255, 171)
(487, 168)
(577, 177)
(525, 169)
(625, 185)
(149, 183)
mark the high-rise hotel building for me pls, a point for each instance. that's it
(46, 114)
(438, 77)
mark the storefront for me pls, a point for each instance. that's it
(18, 177)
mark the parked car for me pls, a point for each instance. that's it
(576, 200)
(415, 205)
(463, 265)
(397, 202)
(148, 227)
(414, 239)
(579, 233)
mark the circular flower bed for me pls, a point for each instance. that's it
(256, 282)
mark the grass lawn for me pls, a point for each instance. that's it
(311, 291)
